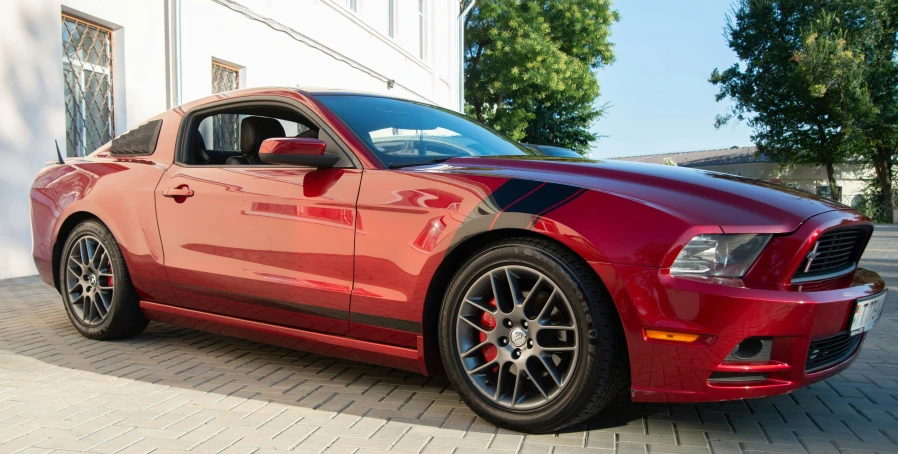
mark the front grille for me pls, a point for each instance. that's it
(823, 353)
(834, 253)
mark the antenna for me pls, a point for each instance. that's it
(58, 154)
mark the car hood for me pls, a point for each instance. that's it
(736, 204)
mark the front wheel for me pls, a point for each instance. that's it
(529, 337)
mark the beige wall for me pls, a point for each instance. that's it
(849, 176)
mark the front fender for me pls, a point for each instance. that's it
(609, 228)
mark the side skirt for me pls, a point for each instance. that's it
(297, 339)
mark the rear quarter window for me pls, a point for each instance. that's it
(139, 141)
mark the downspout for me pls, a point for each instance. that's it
(461, 55)
(178, 98)
(173, 52)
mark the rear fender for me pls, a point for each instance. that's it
(118, 192)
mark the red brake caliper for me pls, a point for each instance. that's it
(109, 279)
(489, 323)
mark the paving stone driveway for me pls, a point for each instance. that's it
(174, 390)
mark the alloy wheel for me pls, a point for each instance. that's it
(516, 337)
(89, 280)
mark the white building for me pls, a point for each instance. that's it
(82, 71)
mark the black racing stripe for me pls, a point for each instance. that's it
(515, 204)
(544, 199)
(512, 191)
(386, 322)
(506, 194)
(300, 308)
(558, 205)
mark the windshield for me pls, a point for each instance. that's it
(404, 133)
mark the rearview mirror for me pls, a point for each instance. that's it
(296, 151)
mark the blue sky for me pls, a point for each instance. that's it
(658, 90)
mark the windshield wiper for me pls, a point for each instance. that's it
(399, 165)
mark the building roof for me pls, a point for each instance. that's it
(724, 156)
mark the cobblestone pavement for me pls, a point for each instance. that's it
(174, 390)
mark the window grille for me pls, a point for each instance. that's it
(87, 74)
(225, 127)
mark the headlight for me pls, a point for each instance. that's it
(719, 255)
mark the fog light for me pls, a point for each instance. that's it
(748, 348)
(753, 349)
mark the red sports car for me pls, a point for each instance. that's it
(398, 233)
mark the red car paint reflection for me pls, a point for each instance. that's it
(354, 261)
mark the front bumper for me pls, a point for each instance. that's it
(725, 312)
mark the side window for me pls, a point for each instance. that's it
(216, 137)
(232, 136)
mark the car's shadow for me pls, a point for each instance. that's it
(184, 365)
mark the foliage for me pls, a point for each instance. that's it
(563, 123)
(529, 67)
(818, 81)
(852, 54)
(871, 202)
(790, 123)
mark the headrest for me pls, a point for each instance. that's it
(199, 149)
(253, 130)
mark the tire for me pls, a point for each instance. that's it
(96, 309)
(573, 351)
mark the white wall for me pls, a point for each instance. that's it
(268, 38)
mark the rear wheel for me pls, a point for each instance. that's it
(96, 287)
(530, 339)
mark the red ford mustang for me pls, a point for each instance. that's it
(397, 233)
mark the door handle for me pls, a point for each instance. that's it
(180, 192)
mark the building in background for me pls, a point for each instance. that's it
(82, 71)
(747, 162)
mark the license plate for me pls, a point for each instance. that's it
(867, 313)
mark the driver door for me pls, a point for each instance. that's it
(269, 243)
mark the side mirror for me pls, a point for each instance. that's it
(296, 151)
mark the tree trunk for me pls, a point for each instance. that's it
(475, 60)
(478, 111)
(831, 177)
(883, 167)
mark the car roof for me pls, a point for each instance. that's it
(324, 91)
(339, 91)
(283, 90)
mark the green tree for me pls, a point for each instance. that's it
(818, 82)
(790, 123)
(851, 55)
(529, 67)
(878, 123)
